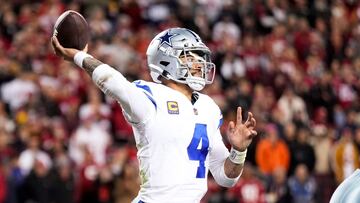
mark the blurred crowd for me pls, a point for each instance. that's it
(294, 63)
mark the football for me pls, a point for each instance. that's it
(72, 30)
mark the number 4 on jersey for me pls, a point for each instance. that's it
(200, 134)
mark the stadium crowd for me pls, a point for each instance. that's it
(294, 63)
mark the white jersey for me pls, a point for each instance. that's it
(178, 142)
(349, 190)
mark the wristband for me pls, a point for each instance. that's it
(79, 58)
(237, 157)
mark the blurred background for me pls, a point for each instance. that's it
(294, 63)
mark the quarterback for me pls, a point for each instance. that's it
(176, 127)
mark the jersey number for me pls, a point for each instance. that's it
(200, 134)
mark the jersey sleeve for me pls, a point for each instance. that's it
(138, 105)
(218, 155)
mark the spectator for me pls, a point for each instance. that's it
(249, 189)
(278, 190)
(18, 91)
(232, 65)
(226, 27)
(96, 108)
(290, 135)
(105, 185)
(322, 143)
(37, 184)
(62, 188)
(293, 107)
(271, 14)
(323, 95)
(303, 152)
(251, 56)
(99, 25)
(302, 38)
(357, 138)
(110, 53)
(128, 184)
(242, 95)
(346, 156)
(302, 185)
(346, 92)
(90, 137)
(32, 155)
(272, 144)
(264, 102)
(276, 41)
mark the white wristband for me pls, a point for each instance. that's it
(79, 58)
(237, 157)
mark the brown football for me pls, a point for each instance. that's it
(72, 30)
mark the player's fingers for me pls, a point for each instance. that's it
(253, 122)
(56, 43)
(248, 120)
(231, 126)
(253, 132)
(239, 116)
(56, 50)
(86, 48)
(53, 41)
(52, 45)
(250, 115)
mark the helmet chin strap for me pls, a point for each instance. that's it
(195, 83)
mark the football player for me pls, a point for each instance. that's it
(176, 127)
(349, 190)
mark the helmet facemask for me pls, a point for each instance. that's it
(196, 68)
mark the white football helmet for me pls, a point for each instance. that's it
(174, 52)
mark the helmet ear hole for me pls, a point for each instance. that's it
(165, 74)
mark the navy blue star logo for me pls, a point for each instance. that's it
(167, 38)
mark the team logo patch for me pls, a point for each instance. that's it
(173, 107)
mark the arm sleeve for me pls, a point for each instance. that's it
(218, 155)
(137, 105)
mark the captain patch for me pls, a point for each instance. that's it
(173, 107)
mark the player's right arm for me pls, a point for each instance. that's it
(134, 101)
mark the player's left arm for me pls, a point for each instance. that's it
(240, 136)
(227, 168)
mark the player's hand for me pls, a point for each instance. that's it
(66, 53)
(240, 134)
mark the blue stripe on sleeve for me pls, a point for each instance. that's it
(144, 87)
(152, 100)
(221, 121)
(147, 89)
